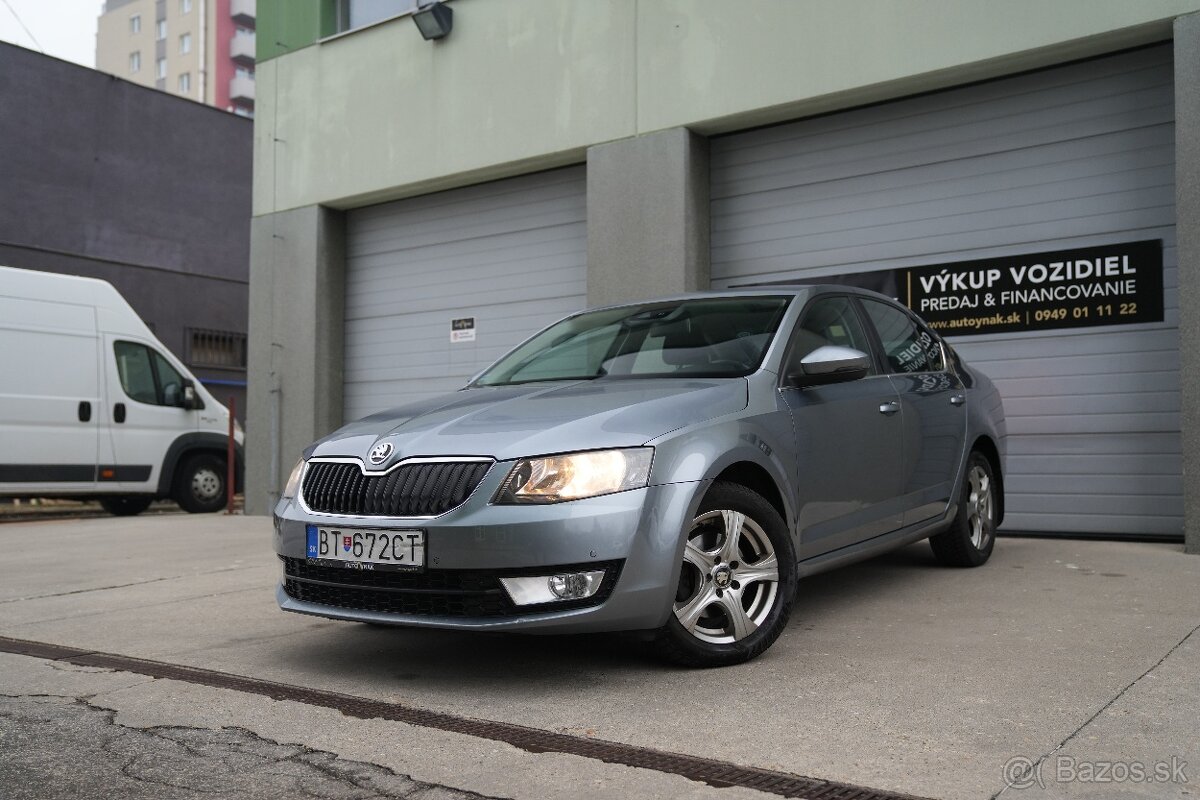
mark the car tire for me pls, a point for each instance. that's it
(200, 484)
(969, 540)
(721, 575)
(125, 505)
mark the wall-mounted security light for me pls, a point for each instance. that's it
(434, 21)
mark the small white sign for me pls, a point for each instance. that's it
(462, 330)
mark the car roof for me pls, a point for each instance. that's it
(774, 290)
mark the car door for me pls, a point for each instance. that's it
(848, 445)
(144, 413)
(933, 408)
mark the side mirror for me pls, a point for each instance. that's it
(831, 364)
(190, 399)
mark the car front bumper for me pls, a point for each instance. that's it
(637, 532)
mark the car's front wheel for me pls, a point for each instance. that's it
(736, 584)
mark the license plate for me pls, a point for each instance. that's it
(367, 548)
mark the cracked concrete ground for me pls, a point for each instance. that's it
(56, 747)
(894, 673)
(440, 764)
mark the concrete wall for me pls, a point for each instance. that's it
(297, 340)
(111, 180)
(528, 84)
(648, 217)
(1187, 215)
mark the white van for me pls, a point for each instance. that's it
(93, 405)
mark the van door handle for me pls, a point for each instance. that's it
(85, 411)
(119, 413)
(957, 399)
(889, 408)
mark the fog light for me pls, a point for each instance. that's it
(282, 571)
(574, 585)
(553, 588)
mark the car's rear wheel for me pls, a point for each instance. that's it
(969, 540)
(736, 584)
(200, 484)
(125, 505)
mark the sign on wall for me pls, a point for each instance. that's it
(462, 330)
(1107, 285)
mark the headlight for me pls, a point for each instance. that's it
(573, 476)
(293, 482)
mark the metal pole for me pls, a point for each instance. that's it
(230, 464)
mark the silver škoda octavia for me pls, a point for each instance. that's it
(671, 467)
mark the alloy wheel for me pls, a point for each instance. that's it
(730, 577)
(979, 506)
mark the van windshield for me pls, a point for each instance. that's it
(710, 337)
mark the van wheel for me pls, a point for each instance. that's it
(200, 484)
(125, 505)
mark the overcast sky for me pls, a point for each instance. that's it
(64, 28)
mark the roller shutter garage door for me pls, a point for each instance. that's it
(1075, 156)
(510, 254)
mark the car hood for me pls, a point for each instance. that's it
(507, 422)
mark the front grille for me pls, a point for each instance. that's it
(434, 593)
(411, 490)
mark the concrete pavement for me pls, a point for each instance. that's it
(895, 674)
(60, 747)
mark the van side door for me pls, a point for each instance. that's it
(49, 398)
(145, 412)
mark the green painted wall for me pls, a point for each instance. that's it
(522, 85)
(287, 25)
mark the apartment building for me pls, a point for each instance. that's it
(200, 49)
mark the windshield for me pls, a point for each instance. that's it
(711, 337)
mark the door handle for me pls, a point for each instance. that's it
(85, 411)
(890, 407)
(957, 399)
(119, 413)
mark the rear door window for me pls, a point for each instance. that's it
(907, 346)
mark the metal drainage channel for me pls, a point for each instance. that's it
(720, 774)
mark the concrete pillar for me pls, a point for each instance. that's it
(647, 207)
(297, 324)
(1187, 232)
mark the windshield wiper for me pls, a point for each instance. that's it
(547, 380)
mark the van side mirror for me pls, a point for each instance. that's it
(830, 364)
(190, 400)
